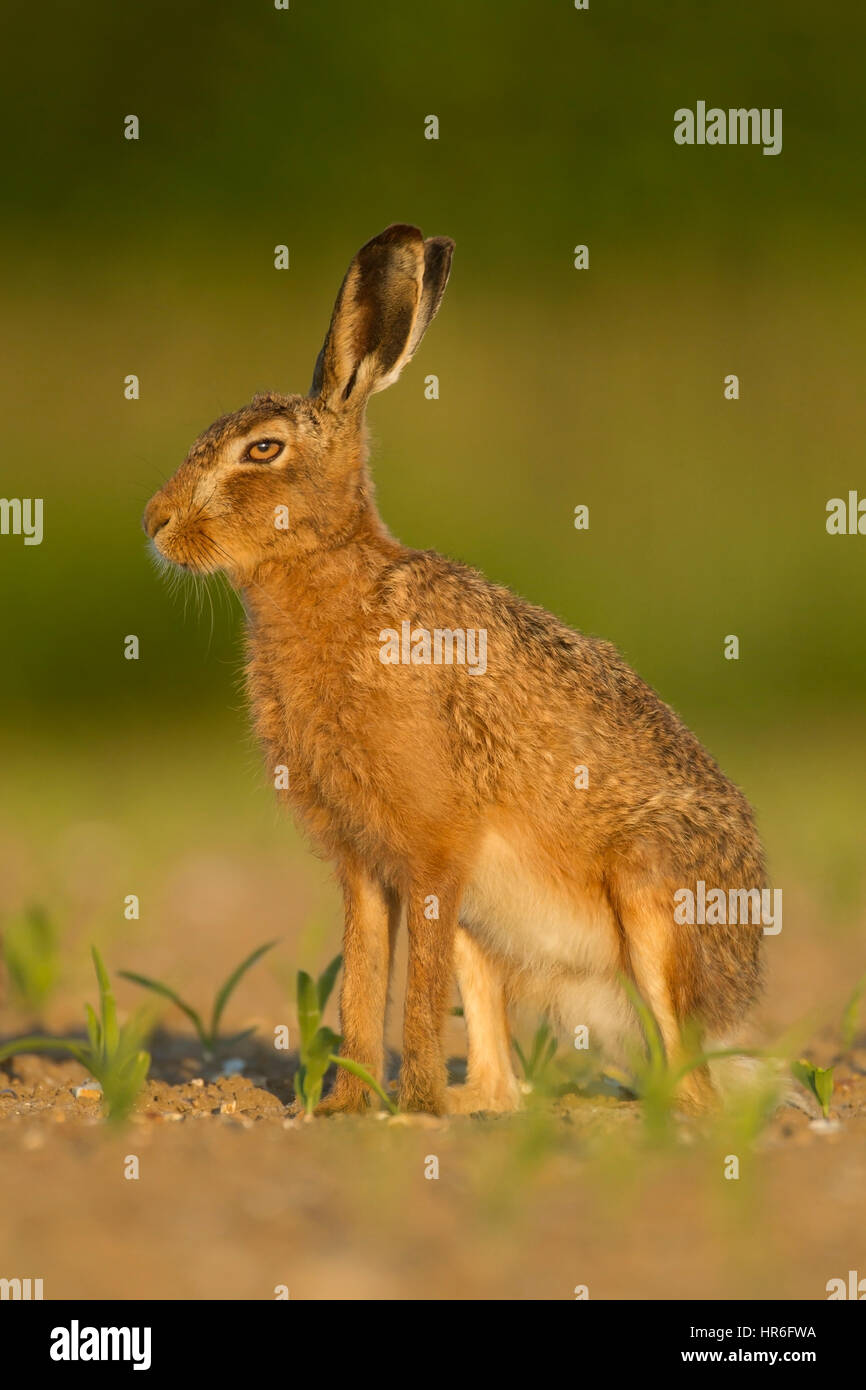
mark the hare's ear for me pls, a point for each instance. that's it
(390, 294)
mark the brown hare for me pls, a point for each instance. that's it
(431, 724)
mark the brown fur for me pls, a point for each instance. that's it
(422, 780)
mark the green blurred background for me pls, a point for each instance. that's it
(557, 387)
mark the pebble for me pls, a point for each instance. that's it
(89, 1090)
(233, 1067)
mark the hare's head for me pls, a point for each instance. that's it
(286, 475)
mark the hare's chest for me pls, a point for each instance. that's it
(323, 744)
(303, 714)
(362, 750)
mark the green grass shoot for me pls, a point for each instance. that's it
(208, 1034)
(112, 1055)
(818, 1080)
(653, 1079)
(851, 1014)
(30, 954)
(537, 1065)
(319, 1044)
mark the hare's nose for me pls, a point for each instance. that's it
(156, 515)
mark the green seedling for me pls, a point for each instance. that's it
(654, 1080)
(319, 1044)
(818, 1080)
(208, 1035)
(851, 1014)
(112, 1055)
(536, 1067)
(31, 957)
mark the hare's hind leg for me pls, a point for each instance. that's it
(490, 1082)
(658, 958)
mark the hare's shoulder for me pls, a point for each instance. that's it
(432, 588)
(539, 661)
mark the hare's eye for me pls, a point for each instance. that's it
(264, 450)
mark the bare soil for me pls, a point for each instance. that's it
(235, 1198)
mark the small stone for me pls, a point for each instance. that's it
(228, 1107)
(823, 1126)
(89, 1090)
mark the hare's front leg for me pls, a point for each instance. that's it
(490, 1082)
(432, 921)
(372, 914)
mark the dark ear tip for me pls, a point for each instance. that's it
(396, 233)
(438, 251)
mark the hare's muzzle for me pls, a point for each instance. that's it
(157, 514)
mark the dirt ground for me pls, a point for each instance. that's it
(234, 1198)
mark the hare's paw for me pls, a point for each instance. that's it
(472, 1100)
(331, 1105)
(420, 1097)
(696, 1095)
(344, 1102)
(347, 1096)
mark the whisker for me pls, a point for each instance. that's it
(254, 584)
